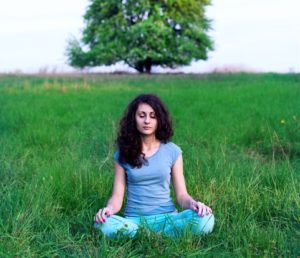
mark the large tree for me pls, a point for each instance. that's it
(142, 33)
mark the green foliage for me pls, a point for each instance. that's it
(142, 34)
(240, 140)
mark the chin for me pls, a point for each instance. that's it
(147, 133)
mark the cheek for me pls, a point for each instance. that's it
(137, 120)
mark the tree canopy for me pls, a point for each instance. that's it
(142, 33)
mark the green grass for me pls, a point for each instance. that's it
(240, 136)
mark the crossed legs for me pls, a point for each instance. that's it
(172, 224)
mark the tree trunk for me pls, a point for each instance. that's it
(144, 66)
(139, 66)
(148, 65)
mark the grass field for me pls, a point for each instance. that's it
(240, 136)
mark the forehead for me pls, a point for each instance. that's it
(143, 107)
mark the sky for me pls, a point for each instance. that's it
(250, 35)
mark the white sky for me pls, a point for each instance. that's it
(256, 35)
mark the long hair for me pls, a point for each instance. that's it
(129, 138)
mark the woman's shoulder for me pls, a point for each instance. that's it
(171, 146)
(116, 157)
(172, 150)
(116, 154)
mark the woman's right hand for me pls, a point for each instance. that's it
(102, 214)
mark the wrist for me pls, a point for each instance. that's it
(192, 203)
(110, 207)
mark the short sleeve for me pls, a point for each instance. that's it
(116, 158)
(176, 151)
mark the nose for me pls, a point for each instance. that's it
(147, 120)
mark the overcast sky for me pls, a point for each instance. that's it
(255, 35)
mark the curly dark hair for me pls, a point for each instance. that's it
(129, 140)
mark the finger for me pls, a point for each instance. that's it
(103, 217)
(98, 217)
(108, 212)
(200, 210)
(206, 210)
(195, 207)
(209, 210)
(203, 211)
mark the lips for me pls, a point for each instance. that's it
(146, 128)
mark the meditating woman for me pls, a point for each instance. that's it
(146, 161)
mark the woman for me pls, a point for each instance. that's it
(145, 163)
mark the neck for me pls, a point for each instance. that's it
(149, 142)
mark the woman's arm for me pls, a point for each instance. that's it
(182, 196)
(115, 202)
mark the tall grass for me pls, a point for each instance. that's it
(240, 136)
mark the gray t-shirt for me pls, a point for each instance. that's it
(148, 187)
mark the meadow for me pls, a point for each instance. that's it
(240, 136)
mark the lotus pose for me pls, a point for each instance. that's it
(146, 161)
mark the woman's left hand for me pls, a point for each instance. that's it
(200, 208)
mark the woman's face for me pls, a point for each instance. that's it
(145, 118)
